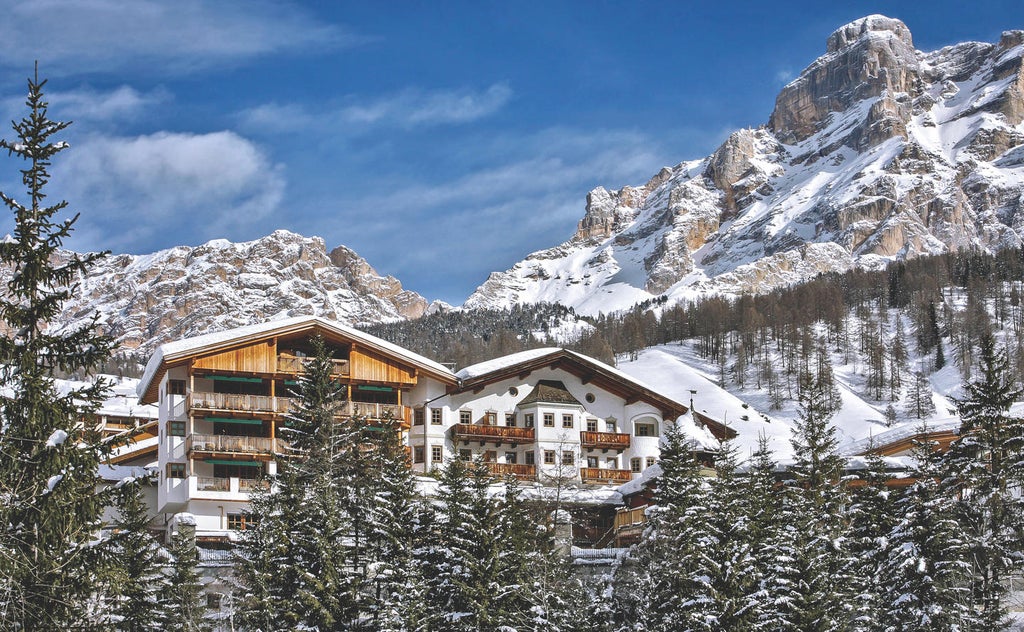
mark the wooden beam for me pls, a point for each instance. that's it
(632, 399)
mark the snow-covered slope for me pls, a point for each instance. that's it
(876, 151)
(182, 292)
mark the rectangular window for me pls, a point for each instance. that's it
(567, 421)
(651, 461)
(549, 420)
(644, 430)
(176, 428)
(636, 465)
(436, 453)
(466, 455)
(568, 457)
(592, 462)
(528, 420)
(610, 425)
(511, 457)
(529, 458)
(549, 457)
(435, 416)
(175, 470)
(591, 425)
(491, 419)
(175, 387)
(239, 522)
(510, 420)
(465, 416)
(418, 454)
(417, 417)
(612, 463)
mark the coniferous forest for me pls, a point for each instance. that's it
(347, 539)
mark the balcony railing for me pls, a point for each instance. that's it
(604, 440)
(232, 444)
(294, 364)
(601, 475)
(213, 484)
(494, 434)
(247, 485)
(375, 411)
(224, 402)
(519, 470)
(630, 517)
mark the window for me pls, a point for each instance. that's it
(592, 462)
(175, 387)
(529, 458)
(568, 457)
(528, 420)
(549, 457)
(213, 601)
(491, 418)
(176, 428)
(567, 421)
(645, 430)
(612, 463)
(636, 464)
(510, 420)
(610, 425)
(417, 417)
(436, 453)
(511, 457)
(435, 416)
(651, 461)
(549, 420)
(175, 470)
(239, 522)
(465, 416)
(466, 455)
(418, 454)
(591, 425)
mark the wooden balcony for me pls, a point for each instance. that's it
(519, 470)
(492, 434)
(230, 444)
(233, 488)
(202, 403)
(604, 440)
(629, 525)
(295, 365)
(376, 411)
(605, 476)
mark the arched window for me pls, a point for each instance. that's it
(645, 427)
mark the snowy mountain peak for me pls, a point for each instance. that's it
(876, 151)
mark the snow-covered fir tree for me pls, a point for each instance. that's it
(49, 452)
(181, 605)
(984, 473)
(871, 517)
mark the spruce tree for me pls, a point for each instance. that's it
(182, 608)
(139, 565)
(49, 452)
(871, 517)
(984, 472)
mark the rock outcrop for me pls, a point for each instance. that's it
(149, 299)
(876, 151)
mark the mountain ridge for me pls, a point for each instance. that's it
(876, 151)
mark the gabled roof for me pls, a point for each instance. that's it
(550, 392)
(173, 353)
(588, 370)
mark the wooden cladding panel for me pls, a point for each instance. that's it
(257, 358)
(376, 368)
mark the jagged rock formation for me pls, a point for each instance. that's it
(875, 151)
(149, 299)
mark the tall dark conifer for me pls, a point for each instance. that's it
(49, 450)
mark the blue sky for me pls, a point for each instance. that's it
(440, 140)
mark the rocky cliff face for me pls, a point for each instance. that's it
(875, 151)
(146, 300)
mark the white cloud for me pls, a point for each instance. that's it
(76, 35)
(186, 188)
(409, 108)
(120, 103)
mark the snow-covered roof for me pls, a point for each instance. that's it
(901, 433)
(213, 341)
(498, 364)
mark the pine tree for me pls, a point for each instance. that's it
(49, 454)
(182, 608)
(919, 401)
(139, 564)
(984, 469)
(927, 567)
(871, 518)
